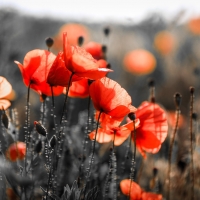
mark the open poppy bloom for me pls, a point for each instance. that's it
(81, 63)
(16, 151)
(5, 91)
(95, 49)
(110, 98)
(137, 193)
(111, 131)
(153, 127)
(35, 69)
(78, 89)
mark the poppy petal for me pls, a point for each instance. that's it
(4, 104)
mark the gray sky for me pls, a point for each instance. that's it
(94, 10)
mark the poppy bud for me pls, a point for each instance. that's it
(151, 83)
(106, 31)
(132, 116)
(40, 128)
(192, 90)
(155, 171)
(49, 42)
(80, 40)
(5, 120)
(177, 97)
(53, 141)
(104, 48)
(108, 66)
(194, 116)
(38, 147)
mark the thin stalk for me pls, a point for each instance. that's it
(92, 154)
(170, 151)
(65, 101)
(191, 142)
(132, 174)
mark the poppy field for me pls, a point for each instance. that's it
(99, 112)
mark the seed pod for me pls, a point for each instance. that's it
(177, 98)
(38, 147)
(53, 141)
(40, 128)
(49, 42)
(80, 40)
(132, 116)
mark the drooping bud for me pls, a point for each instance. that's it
(49, 42)
(40, 128)
(177, 98)
(80, 40)
(151, 83)
(38, 147)
(53, 141)
(132, 116)
(5, 120)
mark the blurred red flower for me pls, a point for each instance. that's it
(95, 49)
(110, 98)
(74, 31)
(153, 127)
(16, 151)
(5, 92)
(137, 193)
(35, 69)
(139, 62)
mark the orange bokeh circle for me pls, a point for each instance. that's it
(139, 62)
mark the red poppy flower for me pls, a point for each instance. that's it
(16, 151)
(74, 31)
(35, 69)
(112, 131)
(153, 127)
(81, 63)
(164, 42)
(95, 49)
(78, 89)
(139, 62)
(5, 92)
(110, 98)
(194, 25)
(137, 193)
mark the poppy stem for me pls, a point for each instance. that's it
(191, 142)
(65, 101)
(177, 97)
(87, 130)
(133, 162)
(92, 154)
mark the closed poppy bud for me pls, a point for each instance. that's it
(177, 98)
(16, 151)
(53, 141)
(40, 128)
(80, 40)
(5, 120)
(38, 147)
(132, 116)
(49, 42)
(106, 31)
